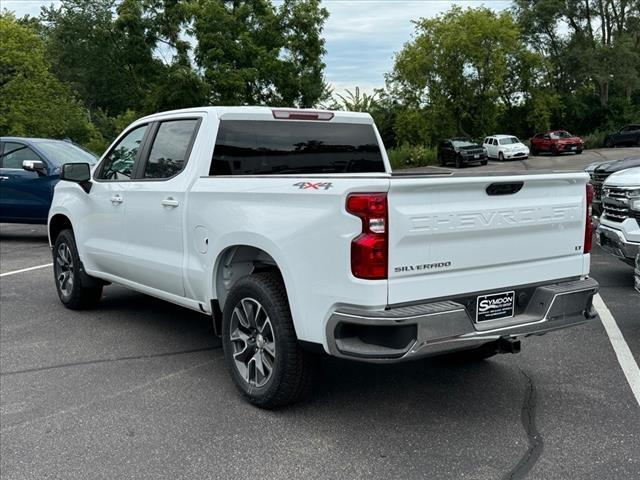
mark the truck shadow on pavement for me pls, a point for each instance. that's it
(435, 381)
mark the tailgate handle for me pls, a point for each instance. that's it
(504, 188)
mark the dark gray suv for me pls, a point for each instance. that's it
(629, 135)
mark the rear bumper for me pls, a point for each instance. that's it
(404, 333)
(612, 241)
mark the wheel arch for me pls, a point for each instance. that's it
(57, 224)
(242, 259)
(236, 262)
(245, 256)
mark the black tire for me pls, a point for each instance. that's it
(441, 160)
(554, 151)
(638, 142)
(501, 156)
(484, 162)
(292, 368)
(578, 152)
(608, 143)
(72, 283)
(534, 152)
(459, 163)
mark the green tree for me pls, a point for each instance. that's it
(593, 54)
(354, 101)
(463, 68)
(251, 52)
(34, 102)
(301, 80)
(107, 59)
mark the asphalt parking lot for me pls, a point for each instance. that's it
(138, 389)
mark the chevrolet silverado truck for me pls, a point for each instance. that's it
(600, 172)
(619, 229)
(289, 228)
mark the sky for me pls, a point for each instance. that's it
(361, 36)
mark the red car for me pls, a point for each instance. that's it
(556, 142)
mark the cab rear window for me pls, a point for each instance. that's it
(253, 147)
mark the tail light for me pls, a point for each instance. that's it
(369, 250)
(588, 228)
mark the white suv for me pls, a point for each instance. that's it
(505, 147)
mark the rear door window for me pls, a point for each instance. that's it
(171, 148)
(254, 147)
(14, 154)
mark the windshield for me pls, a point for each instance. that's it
(463, 142)
(60, 153)
(560, 135)
(509, 141)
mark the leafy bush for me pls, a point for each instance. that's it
(411, 156)
(595, 139)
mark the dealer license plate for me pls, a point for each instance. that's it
(495, 306)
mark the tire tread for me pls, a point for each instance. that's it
(294, 382)
(82, 297)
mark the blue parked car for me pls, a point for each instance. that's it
(29, 170)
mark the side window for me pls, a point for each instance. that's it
(118, 165)
(170, 148)
(14, 154)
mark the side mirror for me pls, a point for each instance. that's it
(78, 173)
(34, 166)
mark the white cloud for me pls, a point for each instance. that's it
(362, 36)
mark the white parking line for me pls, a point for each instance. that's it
(620, 347)
(26, 270)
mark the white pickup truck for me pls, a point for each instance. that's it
(289, 228)
(619, 229)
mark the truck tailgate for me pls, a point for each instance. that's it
(448, 235)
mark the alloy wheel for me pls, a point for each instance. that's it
(253, 341)
(64, 269)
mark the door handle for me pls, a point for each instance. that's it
(4, 178)
(117, 200)
(170, 202)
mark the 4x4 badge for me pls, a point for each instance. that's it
(313, 186)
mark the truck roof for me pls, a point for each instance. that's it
(263, 113)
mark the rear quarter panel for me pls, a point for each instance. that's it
(307, 231)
